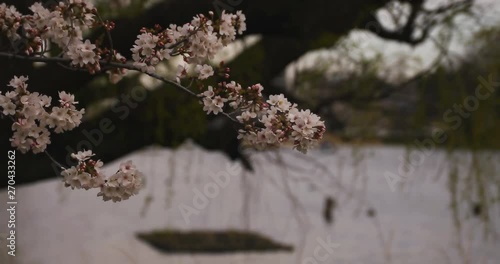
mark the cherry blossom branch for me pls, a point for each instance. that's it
(34, 118)
(264, 123)
(127, 66)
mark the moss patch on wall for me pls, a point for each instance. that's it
(231, 241)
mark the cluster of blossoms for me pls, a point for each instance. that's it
(33, 115)
(127, 181)
(10, 21)
(196, 41)
(284, 122)
(268, 123)
(63, 24)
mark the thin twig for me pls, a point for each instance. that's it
(53, 160)
(108, 33)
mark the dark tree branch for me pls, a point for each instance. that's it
(430, 19)
(106, 63)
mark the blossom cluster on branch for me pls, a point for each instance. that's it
(34, 116)
(264, 121)
(33, 119)
(196, 41)
(127, 181)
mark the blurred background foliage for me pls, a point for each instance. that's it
(367, 103)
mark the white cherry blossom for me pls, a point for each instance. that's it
(204, 71)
